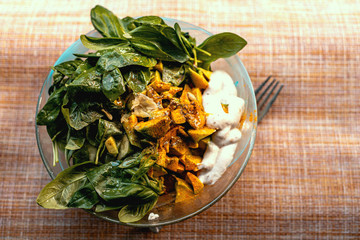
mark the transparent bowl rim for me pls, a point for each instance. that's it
(242, 168)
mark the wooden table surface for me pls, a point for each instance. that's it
(303, 179)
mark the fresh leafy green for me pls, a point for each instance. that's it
(59, 192)
(133, 213)
(105, 22)
(102, 43)
(221, 45)
(153, 43)
(146, 163)
(86, 197)
(107, 128)
(138, 79)
(118, 59)
(149, 20)
(114, 184)
(131, 161)
(113, 85)
(174, 73)
(88, 81)
(68, 68)
(75, 139)
(49, 113)
(79, 114)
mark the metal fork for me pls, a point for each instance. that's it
(262, 108)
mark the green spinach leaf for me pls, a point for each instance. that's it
(153, 43)
(118, 59)
(58, 193)
(133, 213)
(113, 84)
(84, 154)
(49, 113)
(88, 81)
(138, 79)
(102, 43)
(68, 68)
(174, 73)
(113, 184)
(85, 197)
(107, 129)
(149, 20)
(81, 68)
(105, 22)
(131, 161)
(221, 45)
(79, 114)
(75, 139)
(103, 206)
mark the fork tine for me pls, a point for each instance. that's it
(267, 96)
(262, 85)
(263, 113)
(264, 92)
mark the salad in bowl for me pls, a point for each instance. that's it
(141, 123)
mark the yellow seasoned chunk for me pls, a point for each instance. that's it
(161, 160)
(197, 93)
(183, 190)
(110, 145)
(172, 163)
(195, 182)
(159, 66)
(181, 168)
(198, 79)
(206, 73)
(178, 147)
(158, 85)
(177, 116)
(191, 162)
(155, 128)
(198, 134)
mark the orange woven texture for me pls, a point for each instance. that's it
(303, 179)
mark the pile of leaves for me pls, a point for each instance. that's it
(116, 150)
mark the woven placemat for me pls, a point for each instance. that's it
(303, 179)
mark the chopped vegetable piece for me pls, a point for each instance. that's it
(181, 168)
(192, 144)
(129, 121)
(195, 182)
(178, 147)
(198, 134)
(183, 191)
(197, 94)
(206, 73)
(173, 163)
(194, 114)
(161, 160)
(178, 117)
(158, 85)
(158, 171)
(160, 113)
(171, 93)
(110, 145)
(198, 79)
(225, 107)
(159, 66)
(191, 162)
(155, 128)
(203, 143)
(184, 99)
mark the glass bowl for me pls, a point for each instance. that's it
(168, 211)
